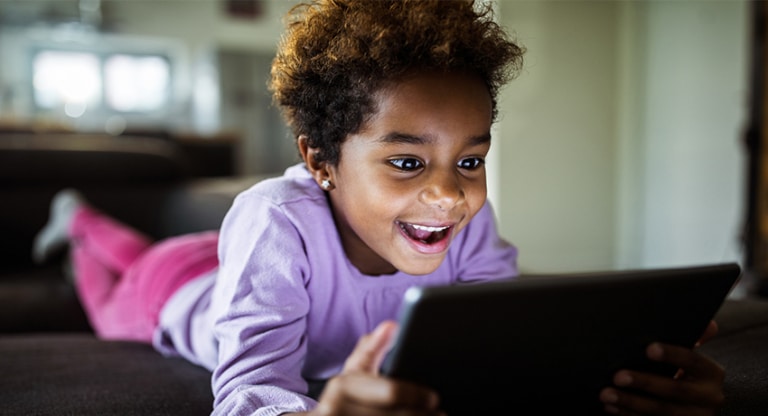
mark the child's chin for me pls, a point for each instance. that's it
(421, 267)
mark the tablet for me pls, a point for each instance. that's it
(549, 344)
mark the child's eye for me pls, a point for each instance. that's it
(406, 163)
(471, 163)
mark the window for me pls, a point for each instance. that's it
(80, 82)
(136, 83)
(68, 79)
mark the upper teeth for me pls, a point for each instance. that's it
(427, 228)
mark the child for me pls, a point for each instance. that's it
(391, 103)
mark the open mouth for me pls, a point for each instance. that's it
(424, 234)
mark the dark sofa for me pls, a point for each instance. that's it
(53, 365)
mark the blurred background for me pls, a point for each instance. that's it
(193, 68)
(620, 145)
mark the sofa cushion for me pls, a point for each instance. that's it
(740, 347)
(39, 299)
(76, 374)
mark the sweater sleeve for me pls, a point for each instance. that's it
(482, 254)
(260, 305)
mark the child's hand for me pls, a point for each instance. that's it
(360, 391)
(696, 389)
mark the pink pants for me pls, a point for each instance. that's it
(123, 279)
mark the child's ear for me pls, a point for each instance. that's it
(318, 169)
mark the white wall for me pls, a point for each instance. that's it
(620, 140)
(556, 136)
(691, 163)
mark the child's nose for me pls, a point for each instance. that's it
(442, 190)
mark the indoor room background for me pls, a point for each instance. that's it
(620, 145)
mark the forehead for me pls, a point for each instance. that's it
(423, 100)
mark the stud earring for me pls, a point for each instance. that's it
(326, 184)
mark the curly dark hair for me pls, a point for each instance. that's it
(336, 54)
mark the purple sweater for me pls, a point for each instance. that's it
(286, 305)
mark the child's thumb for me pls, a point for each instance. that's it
(371, 349)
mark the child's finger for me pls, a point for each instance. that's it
(657, 390)
(621, 402)
(709, 333)
(371, 349)
(356, 389)
(693, 364)
(700, 387)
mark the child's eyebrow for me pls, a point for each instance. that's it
(403, 138)
(482, 139)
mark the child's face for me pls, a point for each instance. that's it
(414, 176)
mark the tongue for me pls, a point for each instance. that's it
(417, 234)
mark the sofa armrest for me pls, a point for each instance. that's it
(200, 204)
